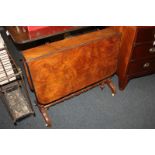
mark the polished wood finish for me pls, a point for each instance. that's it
(142, 51)
(141, 66)
(111, 86)
(25, 34)
(62, 69)
(18, 34)
(145, 34)
(137, 53)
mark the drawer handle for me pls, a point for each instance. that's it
(152, 50)
(146, 65)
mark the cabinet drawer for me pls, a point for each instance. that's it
(145, 34)
(144, 51)
(141, 66)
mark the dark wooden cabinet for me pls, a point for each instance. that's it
(137, 53)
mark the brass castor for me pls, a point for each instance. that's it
(113, 94)
(46, 124)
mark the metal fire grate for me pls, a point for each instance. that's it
(13, 89)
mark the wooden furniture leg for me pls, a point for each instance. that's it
(45, 115)
(122, 83)
(111, 86)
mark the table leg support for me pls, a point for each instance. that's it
(111, 86)
(45, 115)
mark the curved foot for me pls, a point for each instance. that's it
(111, 86)
(43, 110)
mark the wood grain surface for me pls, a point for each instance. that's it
(64, 67)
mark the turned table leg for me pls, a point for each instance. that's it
(45, 115)
(111, 86)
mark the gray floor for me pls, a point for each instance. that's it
(133, 108)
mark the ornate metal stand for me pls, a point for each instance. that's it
(13, 91)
